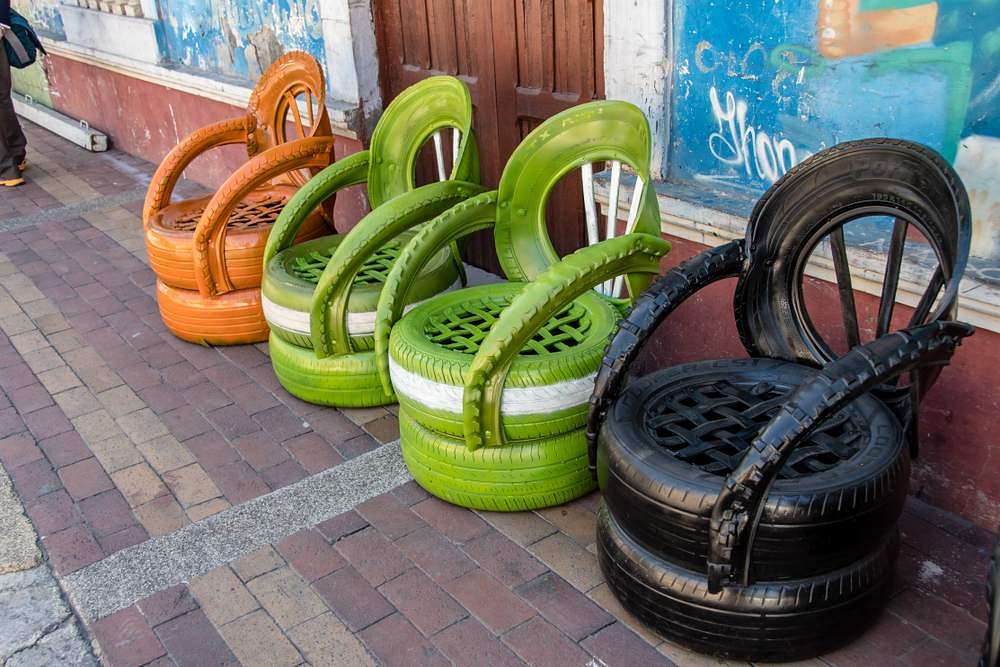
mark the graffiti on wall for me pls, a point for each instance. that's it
(239, 38)
(762, 84)
(43, 15)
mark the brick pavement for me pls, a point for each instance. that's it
(115, 434)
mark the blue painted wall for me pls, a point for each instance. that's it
(238, 38)
(761, 84)
(43, 15)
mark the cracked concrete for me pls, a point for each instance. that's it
(18, 547)
(36, 625)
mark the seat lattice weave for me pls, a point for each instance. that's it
(248, 215)
(463, 327)
(711, 425)
(373, 271)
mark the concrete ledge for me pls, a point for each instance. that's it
(76, 131)
(126, 36)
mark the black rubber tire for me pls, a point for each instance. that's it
(766, 621)
(814, 523)
(905, 179)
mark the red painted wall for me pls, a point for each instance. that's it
(959, 465)
(148, 120)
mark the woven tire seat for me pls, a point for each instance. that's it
(320, 297)
(207, 252)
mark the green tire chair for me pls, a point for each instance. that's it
(294, 275)
(494, 381)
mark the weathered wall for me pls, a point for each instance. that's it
(960, 447)
(43, 15)
(239, 38)
(759, 85)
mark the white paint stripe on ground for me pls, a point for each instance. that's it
(134, 573)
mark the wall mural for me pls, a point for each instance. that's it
(239, 38)
(762, 84)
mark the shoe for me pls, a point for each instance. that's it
(23, 165)
(12, 182)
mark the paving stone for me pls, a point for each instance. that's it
(459, 524)
(286, 596)
(434, 554)
(342, 525)
(45, 423)
(257, 563)
(64, 449)
(165, 453)
(134, 534)
(161, 399)
(191, 485)
(53, 512)
(285, 473)
(116, 453)
(313, 452)
(396, 642)
(212, 450)
(950, 624)
(260, 450)
(385, 429)
(541, 644)
(389, 516)
(606, 600)
(96, 426)
(207, 509)
(356, 446)
(107, 512)
(72, 548)
(142, 426)
(232, 422)
(410, 493)
(222, 595)
(18, 450)
(126, 639)
(59, 379)
(252, 398)
(337, 429)
(281, 423)
(504, 559)
(422, 601)
(616, 643)
(192, 641)
(161, 516)
(258, 642)
(373, 556)
(889, 638)
(310, 554)
(98, 377)
(469, 644)
(489, 600)
(120, 401)
(44, 359)
(352, 598)
(238, 481)
(84, 478)
(85, 358)
(569, 559)
(77, 401)
(35, 479)
(30, 398)
(139, 484)
(167, 604)
(185, 422)
(930, 652)
(326, 642)
(561, 604)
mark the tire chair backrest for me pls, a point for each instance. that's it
(288, 102)
(438, 108)
(612, 133)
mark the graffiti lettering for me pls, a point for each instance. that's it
(738, 145)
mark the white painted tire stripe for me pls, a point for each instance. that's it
(516, 401)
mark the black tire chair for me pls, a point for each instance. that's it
(751, 505)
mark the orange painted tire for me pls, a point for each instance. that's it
(170, 238)
(234, 318)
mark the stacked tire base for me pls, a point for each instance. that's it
(774, 621)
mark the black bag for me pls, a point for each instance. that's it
(20, 41)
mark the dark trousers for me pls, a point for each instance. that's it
(12, 142)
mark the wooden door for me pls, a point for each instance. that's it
(523, 60)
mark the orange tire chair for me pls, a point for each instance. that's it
(207, 252)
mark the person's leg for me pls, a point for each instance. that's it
(12, 141)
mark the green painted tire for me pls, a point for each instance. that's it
(347, 381)
(290, 279)
(512, 478)
(548, 387)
